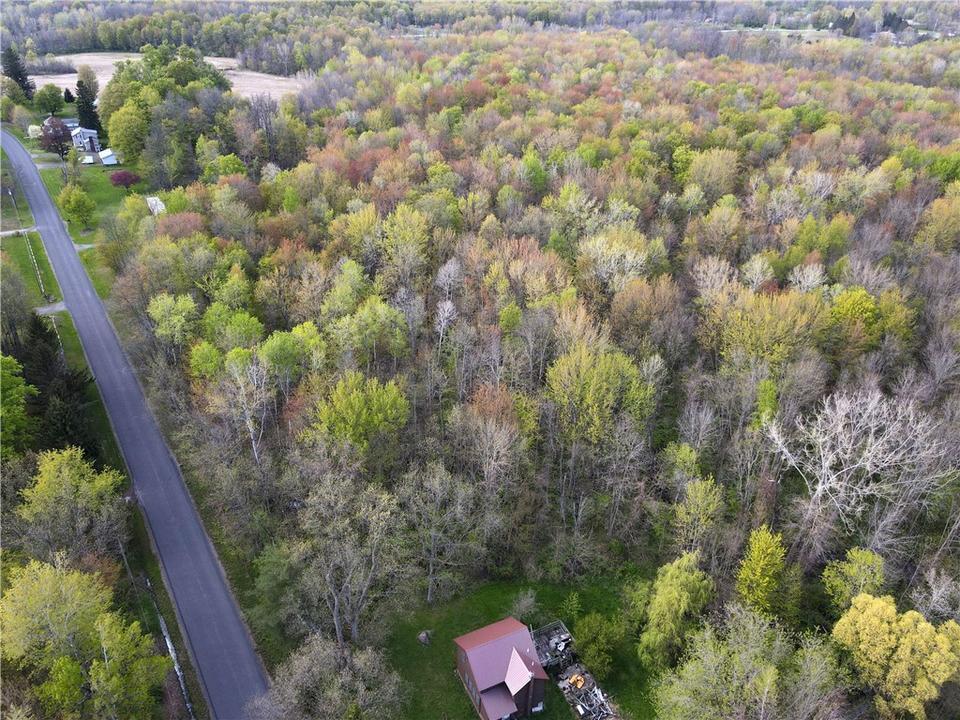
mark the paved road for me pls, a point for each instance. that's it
(222, 651)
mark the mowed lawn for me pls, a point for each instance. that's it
(433, 689)
(14, 210)
(26, 256)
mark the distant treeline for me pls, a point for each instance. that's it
(286, 38)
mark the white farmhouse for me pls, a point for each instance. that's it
(85, 139)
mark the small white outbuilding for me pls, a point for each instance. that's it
(107, 157)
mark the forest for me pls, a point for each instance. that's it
(635, 315)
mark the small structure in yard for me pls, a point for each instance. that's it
(501, 671)
(108, 157)
(34, 131)
(155, 205)
(555, 648)
(85, 139)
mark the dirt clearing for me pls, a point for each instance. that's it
(245, 82)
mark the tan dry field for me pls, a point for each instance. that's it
(245, 83)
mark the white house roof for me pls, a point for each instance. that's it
(86, 132)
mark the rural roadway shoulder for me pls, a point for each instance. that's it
(220, 646)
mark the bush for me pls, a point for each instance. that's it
(124, 179)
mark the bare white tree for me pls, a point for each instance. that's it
(446, 314)
(756, 271)
(863, 457)
(449, 277)
(807, 277)
(246, 396)
(937, 595)
(713, 277)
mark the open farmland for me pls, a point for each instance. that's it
(246, 83)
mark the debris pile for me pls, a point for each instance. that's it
(555, 648)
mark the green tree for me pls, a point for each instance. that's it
(715, 171)
(359, 409)
(76, 205)
(125, 674)
(590, 387)
(206, 360)
(173, 319)
(680, 592)
(223, 165)
(404, 245)
(761, 571)
(747, 667)
(71, 507)
(696, 516)
(597, 638)
(375, 329)
(535, 174)
(285, 357)
(855, 321)
(14, 68)
(127, 128)
(17, 425)
(49, 99)
(903, 658)
(860, 572)
(50, 611)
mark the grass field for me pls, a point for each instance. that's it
(435, 691)
(21, 251)
(14, 210)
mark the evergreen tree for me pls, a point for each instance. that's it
(87, 113)
(14, 69)
(68, 96)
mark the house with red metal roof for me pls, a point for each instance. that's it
(500, 670)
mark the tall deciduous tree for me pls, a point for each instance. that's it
(360, 409)
(49, 99)
(352, 552)
(55, 137)
(861, 571)
(14, 394)
(314, 684)
(72, 508)
(445, 518)
(680, 593)
(745, 667)
(77, 205)
(57, 622)
(869, 464)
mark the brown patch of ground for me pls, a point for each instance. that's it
(245, 82)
